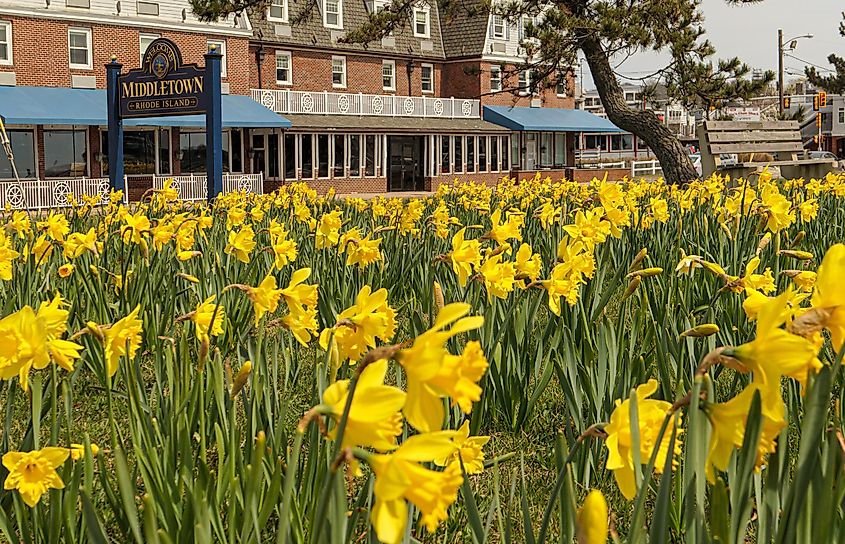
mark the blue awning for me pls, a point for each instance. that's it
(62, 106)
(547, 119)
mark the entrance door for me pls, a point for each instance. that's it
(406, 155)
(530, 151)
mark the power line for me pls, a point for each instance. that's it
(808, 62)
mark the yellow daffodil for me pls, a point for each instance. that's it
(208, 319)
(122, 335)
(469, 451)
(465, 256)
(498, 276)
(265, 297)
(241, 243)
(33, 473)
(360, 326)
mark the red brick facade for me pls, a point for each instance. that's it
(39, 65)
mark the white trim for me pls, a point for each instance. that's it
(423, 66)
(339, 24)
(88, 46)
(342, 84)
(287, 54)
(392, 64)
(141, 48)
(221, 47)
(11, 60)
(498, 70)
(284, 6)
(502, 23)
(129, 21)
(427, 12)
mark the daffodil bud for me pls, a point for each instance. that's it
(796, 254)
(592, 519)
(638, 259)
(635, 282)
(645, 272)
(438, 296)
(240, 378)
(798, 238)
(94, 270)
(765, 241)
(699, 331)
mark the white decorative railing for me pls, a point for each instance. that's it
(330, 103)
(603, 165)
(645, 168)
(195, 186)
(52, 193)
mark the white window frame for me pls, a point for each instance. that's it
(284, 6)
(561, 76)
(392, 64)
(339, 24)
(10, 60)
(426, 11)
(423, 66)
(221, 47)
(493, 24)
(524, 89)
(290, 68)
(497, 70)
(88, 46)
(141, 37)
(342, 59)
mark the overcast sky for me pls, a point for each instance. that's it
(750, 32)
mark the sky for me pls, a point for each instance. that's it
(750, 32)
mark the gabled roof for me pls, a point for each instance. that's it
(310, 32)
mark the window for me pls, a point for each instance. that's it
(525, 23)
(5, 42)
(23, 148)
(515, 151)
(494, 154)
(495, 78)
(333, 13)
(322, 155)
(163, 151)
(283, 71)
(65, 153)
(79, 48)
(523, 83)
(421, 22)
(139, 152)
(148, 8)
(560, 150)
(145, 41)
(459, 154)
(370, 156)
(306, 157)
(290, 156)
(338, 71)
(278, 11)
(388, 75)
(621, 142)
(470, 154)
(841, 115)
(354, 155)
(192, 152)
(220, 46)
(339, 155)
(497, 27)
(272, 154)
(427, 78)
(505, 149)
(445, 155)
(560, 88)
(482, 153)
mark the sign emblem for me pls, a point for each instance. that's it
(163, 85)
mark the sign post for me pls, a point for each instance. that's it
(213, 123)
(164, 85)
(115, 151)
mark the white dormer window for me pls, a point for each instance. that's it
(278, 11)
(333, 13)
(422, 22)
(525, 22)
(498, 28)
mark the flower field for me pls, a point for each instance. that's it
(540, 362)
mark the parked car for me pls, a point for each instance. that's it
(826, 155)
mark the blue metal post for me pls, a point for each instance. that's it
(213, 124)
(116, 179)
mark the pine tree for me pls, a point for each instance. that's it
(603, 31)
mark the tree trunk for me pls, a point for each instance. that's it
(673, 156)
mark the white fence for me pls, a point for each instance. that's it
(603, 165)
(195, 186)
(52, 193)
(645, 168)
(326, 103)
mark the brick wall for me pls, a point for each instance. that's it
(462, 79)
(491, 179)
(41, 58)
(340, 185)
(312, 71)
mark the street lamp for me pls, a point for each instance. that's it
(792, 43)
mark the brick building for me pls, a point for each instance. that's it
(404, 113)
